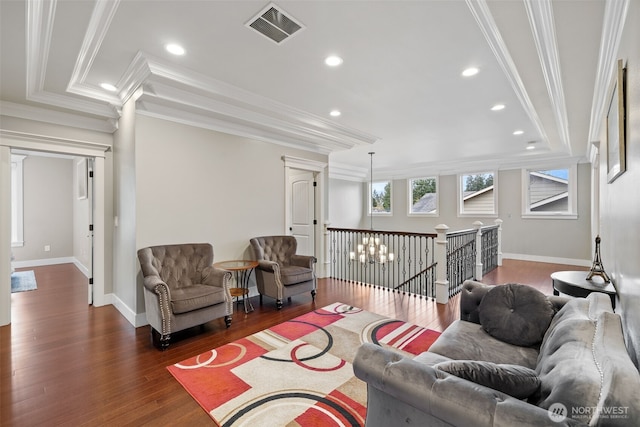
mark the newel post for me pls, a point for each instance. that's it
(478, 273)
(499, 224)
(442, 284)
(327, 250)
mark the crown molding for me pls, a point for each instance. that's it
(40, 18)
(47, 115)
(347, 172)
(453, 167)
(540, 15)
(615, 15)
(484, 18)
(174, 93)
(182, 95)
(30, 141)
(99, 23)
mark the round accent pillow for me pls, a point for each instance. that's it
(516, 314)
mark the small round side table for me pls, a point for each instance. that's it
(242, 269)
(575, 283)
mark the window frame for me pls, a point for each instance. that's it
(572, 204)
(370, 194)
(17, 200)
(436, 213)
(460, 198)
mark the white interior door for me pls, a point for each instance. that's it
(302, 215)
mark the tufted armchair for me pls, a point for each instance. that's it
(281, 273)
(182, 289)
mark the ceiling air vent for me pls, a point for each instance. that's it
(275, 24)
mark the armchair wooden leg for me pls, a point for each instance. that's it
(159, 341)
(313, 295)
(227, 321)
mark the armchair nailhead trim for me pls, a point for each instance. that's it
(276, 273)
(164, 309)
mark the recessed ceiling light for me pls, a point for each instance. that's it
(333, 61)
(472, 71)
(335, 113)
(518, 132)
(175, 49)
(531, 147)
(108, 86)
(497, 107)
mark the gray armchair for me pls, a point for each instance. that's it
(182, 289)
(281, 273)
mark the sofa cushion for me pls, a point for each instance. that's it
(467, 340)
(292, 274)
(516, 314)
(194, 297)
(514, 380)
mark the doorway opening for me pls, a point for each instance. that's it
(52, 211)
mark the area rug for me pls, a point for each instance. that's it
(297, 373)
(22, 281)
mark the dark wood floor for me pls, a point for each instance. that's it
(63, 362)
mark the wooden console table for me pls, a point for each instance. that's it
(575, 283)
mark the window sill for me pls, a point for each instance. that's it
(549, 216)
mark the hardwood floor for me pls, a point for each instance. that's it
(63, 362)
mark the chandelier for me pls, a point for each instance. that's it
(371, 250)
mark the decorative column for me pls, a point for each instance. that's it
(326, 266)
(442, 284)
(478, 271)
(499, 224)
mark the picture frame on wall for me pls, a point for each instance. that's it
(81, 169)
(616, 144)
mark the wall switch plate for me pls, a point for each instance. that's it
(47, 248)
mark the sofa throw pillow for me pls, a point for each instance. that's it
(516, 314)
(514, 380)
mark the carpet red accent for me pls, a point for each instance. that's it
(296, 372)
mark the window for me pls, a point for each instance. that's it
(17, 238)
(549, 192)
(423, 196)
(478, 194)
(380, 201)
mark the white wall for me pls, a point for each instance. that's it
(620, 200)
(550, 240)
(198, 185)
(48, 209)
(343, 212)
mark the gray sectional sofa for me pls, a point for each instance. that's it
(515, 358)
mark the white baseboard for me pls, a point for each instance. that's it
(41, 262)
(136, 319)
(549, 260)
(81, 267)
(51, 261)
